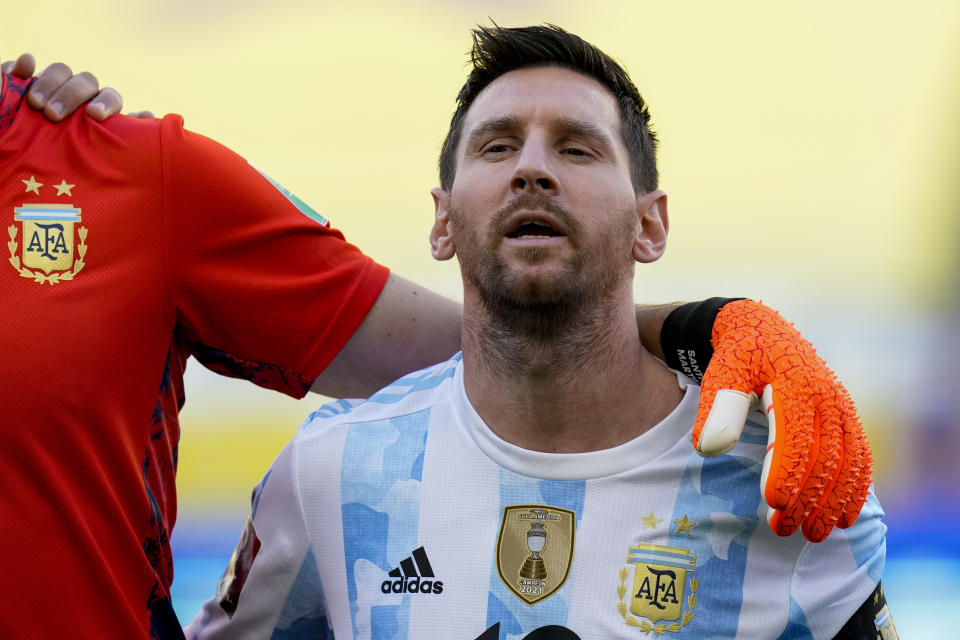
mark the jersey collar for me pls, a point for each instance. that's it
(673, 430)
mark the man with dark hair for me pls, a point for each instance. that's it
(158, 244)
(539, 485)
(492, 58)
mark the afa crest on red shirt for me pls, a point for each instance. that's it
(53, 246)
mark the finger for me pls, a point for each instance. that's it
(141, 114)
(818, 478)
(723, 425)
(858, 482)
(774, 455)
(70, 95)
(861, 487)
(793, 431)
(841, 492)
(795, 449)
(844, 497)
(105, 104)
(788, 519)
(47, 84)
(724, 404)
(22, 67)
(822, 491)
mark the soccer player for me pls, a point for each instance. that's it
(540, 484)
(135, 244)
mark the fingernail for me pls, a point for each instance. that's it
(56, 108)
(98, 107)
(38, 97)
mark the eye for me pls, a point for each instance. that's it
(497, 148)
(577, 153)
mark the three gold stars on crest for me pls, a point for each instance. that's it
(683, 526)
(34, 186)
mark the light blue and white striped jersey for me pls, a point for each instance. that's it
(406, 517)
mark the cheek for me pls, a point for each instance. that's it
(478, 190)
(617, 225)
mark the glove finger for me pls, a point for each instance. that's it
(862, 463)
(723, 425)
(861, 487)
(795, 434)
(769, 489)
(824, 490)
(801, 449)
(724, 404)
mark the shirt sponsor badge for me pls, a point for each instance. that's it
(535, 549)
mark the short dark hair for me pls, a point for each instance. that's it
(498, 50)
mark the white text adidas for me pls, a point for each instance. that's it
(414, 575)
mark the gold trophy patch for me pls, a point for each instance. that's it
(535, 549)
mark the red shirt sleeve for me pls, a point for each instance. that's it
(262, 287)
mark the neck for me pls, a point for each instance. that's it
(549, 380)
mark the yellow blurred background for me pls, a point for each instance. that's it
(810, 152)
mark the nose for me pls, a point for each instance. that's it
(533, 172)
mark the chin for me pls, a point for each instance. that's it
(534, 289)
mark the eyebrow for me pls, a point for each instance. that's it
(494, 125)
(570, 126)
(583, 129)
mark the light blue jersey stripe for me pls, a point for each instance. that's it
(728, 485)
(411, 384)
(797, 627)
(380, 497)
(867, 538)
(304, 615)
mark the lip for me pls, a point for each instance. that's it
(534, 241)
(534, 217)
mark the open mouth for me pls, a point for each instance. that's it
(534, 230)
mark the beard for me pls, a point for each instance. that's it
(541, 310)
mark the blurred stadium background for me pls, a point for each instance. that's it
(810, 152)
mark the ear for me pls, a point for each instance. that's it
(651, 240)
(441, 243)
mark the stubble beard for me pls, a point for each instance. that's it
(536, 323)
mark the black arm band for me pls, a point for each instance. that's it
(685, 336)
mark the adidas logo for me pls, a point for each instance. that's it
(414, 575)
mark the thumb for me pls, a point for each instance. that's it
(23, 67)
(719, 431)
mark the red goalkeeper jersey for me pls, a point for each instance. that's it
(131, 245)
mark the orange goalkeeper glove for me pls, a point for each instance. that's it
(816, 472)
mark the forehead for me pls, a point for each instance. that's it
(541, 95)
